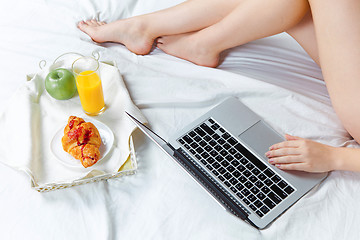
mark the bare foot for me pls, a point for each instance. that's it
(188, 47)
(131, 32)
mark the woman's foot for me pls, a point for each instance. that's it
(187, 46)
(132, 32)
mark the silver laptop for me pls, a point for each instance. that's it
(224, 151)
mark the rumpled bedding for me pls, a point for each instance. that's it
(272, 76)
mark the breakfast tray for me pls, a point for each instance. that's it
(128, 168)
(34, 116)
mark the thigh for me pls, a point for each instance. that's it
(337, 27)
(304, 34)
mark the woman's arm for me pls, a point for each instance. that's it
(305, 155)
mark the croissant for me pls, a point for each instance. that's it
(82, 140)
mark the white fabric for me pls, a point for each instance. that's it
(273, 76)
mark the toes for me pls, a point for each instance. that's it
(165, 40)
(159, 40)
(93, 21)
(162, 47)
(87, 26)
(82, 25)
(88, 22)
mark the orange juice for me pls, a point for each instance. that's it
(90, 91)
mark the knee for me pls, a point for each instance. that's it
(303, 25)
(350, 118)
(353, 129)
(297, 9)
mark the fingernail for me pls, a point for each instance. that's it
(268, 154)
(271, 161)
(271, 148)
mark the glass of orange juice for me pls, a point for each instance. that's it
(88, 82)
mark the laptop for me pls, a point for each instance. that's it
(224, 151)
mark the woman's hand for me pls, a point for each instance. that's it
(301, 154)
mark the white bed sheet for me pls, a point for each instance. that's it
(273, 76)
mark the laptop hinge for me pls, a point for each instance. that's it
(209, 183)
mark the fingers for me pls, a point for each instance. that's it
(290, 137)
(290, 142)
(293, 166)
(289, 163)
(284, 160)
(286, 155)
(299, 154)
(285, 144)
(284, 151)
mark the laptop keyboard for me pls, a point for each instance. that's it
(247, 177)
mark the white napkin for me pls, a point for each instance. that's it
(28, 125)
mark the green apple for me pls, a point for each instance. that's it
(60, 84)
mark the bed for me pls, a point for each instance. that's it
(272, 76)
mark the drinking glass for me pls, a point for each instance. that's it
(88, 82)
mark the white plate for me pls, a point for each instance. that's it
(107, 140)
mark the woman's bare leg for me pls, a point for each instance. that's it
(138, 33)
(250, 20)
(304, 34)
(333, 40)
(337, 27)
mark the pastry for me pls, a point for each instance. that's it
(82, 140)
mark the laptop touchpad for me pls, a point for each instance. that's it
(260, 137)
